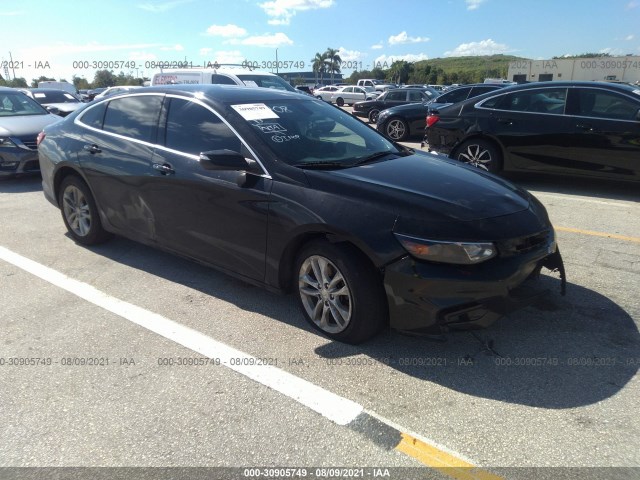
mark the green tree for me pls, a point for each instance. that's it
(319, 65)
(80, 83)
(333, 61)
(104, 78)
(18, 82)
(399, 71)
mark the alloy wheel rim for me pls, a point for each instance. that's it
(396, 129)
(325, 294)
(476, 156)
(76, 211)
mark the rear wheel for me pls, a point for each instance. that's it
(397, 129)
(340, 292)
(340, 102)
(79, 212)
(373, 115)
(480, 153)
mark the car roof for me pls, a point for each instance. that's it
(571, 83)
(224, 93)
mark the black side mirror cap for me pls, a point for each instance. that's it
(223, 160)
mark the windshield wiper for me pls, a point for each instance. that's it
(373, 157)
(322, 165)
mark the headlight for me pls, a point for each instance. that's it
(6, 142)
(461, 253)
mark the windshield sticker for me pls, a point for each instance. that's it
(254, 111)
(70, 97)
(39, 95)
(284, 138)
(270, 128)
(250, 83)
(281, 109)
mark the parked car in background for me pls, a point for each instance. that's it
(349, 95)
(57, 101)
(402, 122)
(113, 90)
(458, 94)
(378, 85)
(91, 94)
(21, 120)
(304, 89)
(224, 75)
(366, 232)
(578, 128)
(324, 93)
(400, 96)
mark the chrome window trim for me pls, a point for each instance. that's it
(479, 106)
(78, 122)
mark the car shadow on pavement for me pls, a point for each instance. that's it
(24, 184)
(564, 352)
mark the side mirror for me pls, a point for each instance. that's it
(223, 160)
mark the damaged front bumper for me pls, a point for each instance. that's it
(433, 298)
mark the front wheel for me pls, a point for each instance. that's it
(79, 212)
(397, 129)
(373, 115)
(340, 292)
(340, 102)
(479, 153)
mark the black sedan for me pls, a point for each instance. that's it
(400, 123)
(578, 128)
(287, 192)
(60, 102)
(391, 98)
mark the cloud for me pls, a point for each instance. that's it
(175, 48)
(282, 11)
(629, 37)
(228, 56)
(162, 7)
(142, 56)
(269, 40)
(227, 31)
(633, 4)
(205, 51)
(484, 47)
(349, 55)
(402, 38)
(474, 4)
(377, 46)
(91, 47)
(385, 61)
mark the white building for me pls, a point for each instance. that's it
(625, 69)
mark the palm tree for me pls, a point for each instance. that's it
(319, 65)
(333, 61)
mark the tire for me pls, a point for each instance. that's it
(481, 154)
(79, 212)
(350, 304)
(340, 101)
(373, 115)
(319, 97)
(397, 129)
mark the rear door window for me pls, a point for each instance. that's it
(547, 100)
(591, 102)
(135, 117)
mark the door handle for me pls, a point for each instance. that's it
(92, 149)
(164, 168)
(505, 121)
(585, 126)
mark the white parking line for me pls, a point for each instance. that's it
(582, 199)
(337, 409)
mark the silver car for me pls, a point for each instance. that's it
(21, 120)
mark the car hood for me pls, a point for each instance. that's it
(431, 188)
(25, 125)
(65, 106)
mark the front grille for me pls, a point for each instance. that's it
(517, 246)
(30, 142)
(31, 166)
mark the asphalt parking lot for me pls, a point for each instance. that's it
(554, 385)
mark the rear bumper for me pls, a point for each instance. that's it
(435, 298)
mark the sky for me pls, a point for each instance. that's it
(63, 38)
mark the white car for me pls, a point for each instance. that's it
(350, 95)
(324, 93)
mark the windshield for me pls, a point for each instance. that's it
(56, 96)
(313, 133)
(266, 81)
(13, 104)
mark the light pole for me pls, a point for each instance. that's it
(276, 61)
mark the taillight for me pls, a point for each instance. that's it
(40, 137)
(431, 119)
